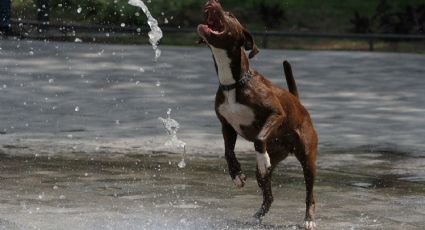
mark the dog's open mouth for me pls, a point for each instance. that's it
(214, 20)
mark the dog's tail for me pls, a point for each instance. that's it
(292, 86)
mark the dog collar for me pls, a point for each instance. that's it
(244, 79)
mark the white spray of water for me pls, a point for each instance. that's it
(156, 33)
(172, 126)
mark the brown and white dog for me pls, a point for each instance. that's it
(250, 105)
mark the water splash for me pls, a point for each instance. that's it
(156, 33)
(172, 126)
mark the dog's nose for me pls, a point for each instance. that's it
(210, 2)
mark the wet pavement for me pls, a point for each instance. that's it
(88, 96)
(81, 146)
(149, 191)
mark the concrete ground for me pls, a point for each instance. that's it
(81, 146)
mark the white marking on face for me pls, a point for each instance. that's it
(263, 163)
(225, 75)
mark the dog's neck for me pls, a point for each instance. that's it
(230, 66)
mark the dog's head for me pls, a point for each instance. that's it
(222, 30)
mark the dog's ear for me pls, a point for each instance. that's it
(249, 44)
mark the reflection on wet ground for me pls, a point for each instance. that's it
(356, 189)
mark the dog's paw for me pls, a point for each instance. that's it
(263, 163)
(309, 225)
(260, 214)
(240, 180)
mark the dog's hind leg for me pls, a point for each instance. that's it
(264, 182)
(307, 157)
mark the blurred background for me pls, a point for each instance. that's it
(384, 25)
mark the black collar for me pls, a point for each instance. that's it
(246, 77)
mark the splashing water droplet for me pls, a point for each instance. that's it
(172, 126)
(182, 164)
(156, 33)
(77, 109)
(79, 10)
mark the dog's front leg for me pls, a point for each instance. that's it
(229, 136)
(260, 142)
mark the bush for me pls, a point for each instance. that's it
(387, 19)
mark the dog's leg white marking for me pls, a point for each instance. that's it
(310, 225)
(239, 181)
(263, 163)
(225, 75)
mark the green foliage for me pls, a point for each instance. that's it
(389, 19)
(298, 15)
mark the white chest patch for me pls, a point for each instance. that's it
(236, 114)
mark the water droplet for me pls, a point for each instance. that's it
(78, 40)
(158, 83)
(51, 80)
(123, 24)
(156, 33)
(77, 109)
(79, 10)
(182, 164)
